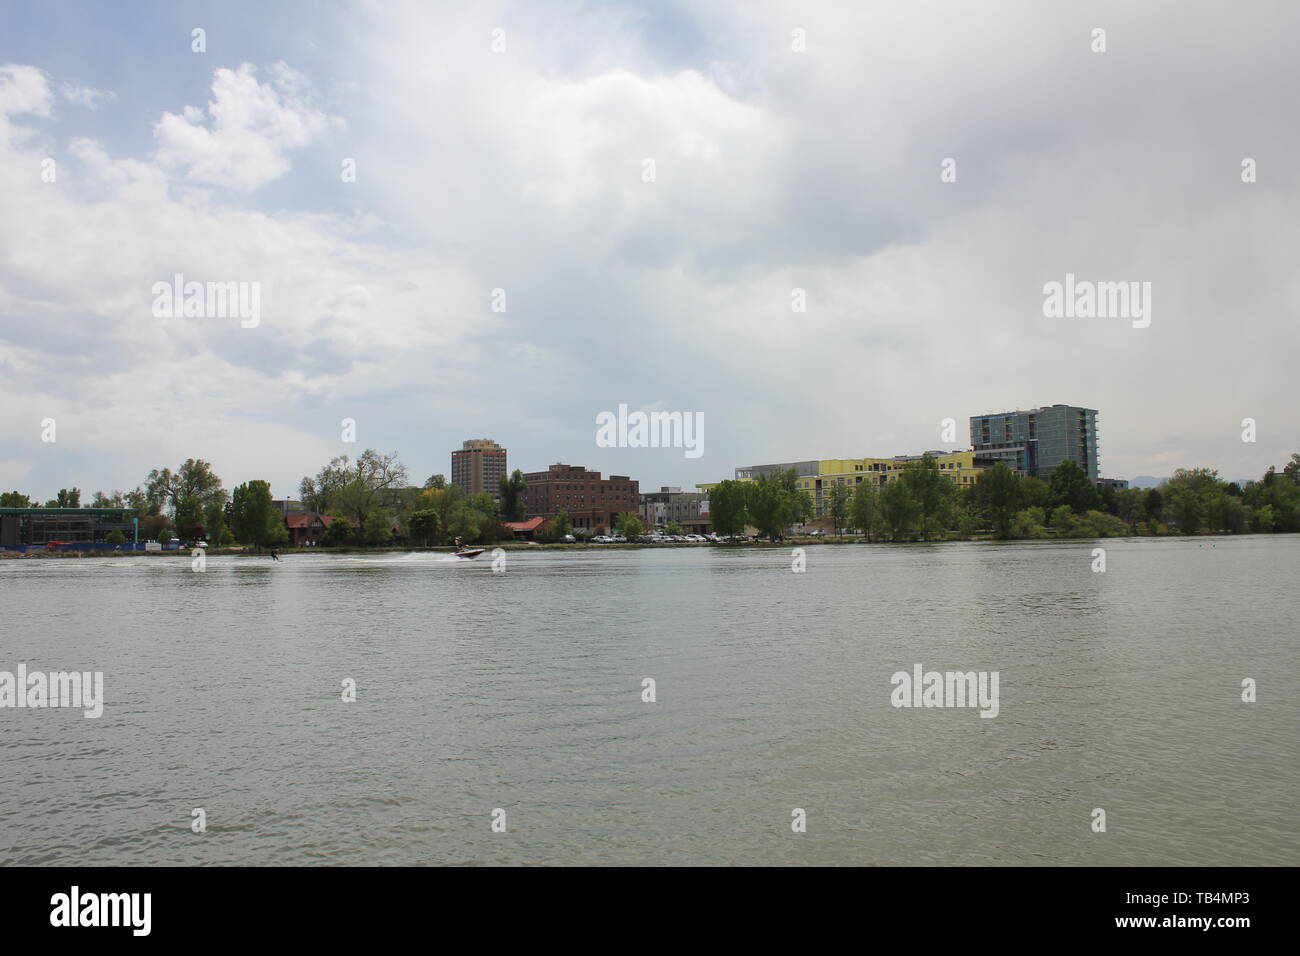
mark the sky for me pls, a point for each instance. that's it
(559, 208)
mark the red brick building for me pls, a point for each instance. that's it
(589, 499)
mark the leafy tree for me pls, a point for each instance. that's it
(254, 519)
(14, 499)
(898, 509)
(377, 527)
(803, 506)
(356, 488)
(771, 504)
(1130, 506)
(629, 525)
(1033, 493)
(512, 496)
(864, 510)
(115, 537)
(66, 498)
(1155, 504)
(189, 517)
(1029, 523)
(727, 508)
(436, 482)
(1292, 468)
(931, 491)
(214, 520)
(1262, 520)
(423, 526)
(337, 532)
(1185, 498)
(115, 499)
(841, 498)
(561, 524)
(165, 536)
(194, 479)
(1070, 485)
(997, 492)
(673, 528)
(1063, 521)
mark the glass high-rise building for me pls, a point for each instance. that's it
(1036, 441)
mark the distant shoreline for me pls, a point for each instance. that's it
(558, 546)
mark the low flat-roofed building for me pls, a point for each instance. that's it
(24, 527)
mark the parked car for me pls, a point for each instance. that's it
(696, 537)
(602, 539)
(570, 539)
(620, 539)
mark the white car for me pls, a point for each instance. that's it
(696, 537)
(602, 539)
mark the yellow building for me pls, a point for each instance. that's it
(818, 477)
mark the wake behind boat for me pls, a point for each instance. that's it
(468, 553)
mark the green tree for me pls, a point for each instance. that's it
(1184, 507)
(1154, 503)
(1130, 506)
(1064, 523)
(863, 512)
(673, 528)
(66, 498)
(356, 488)
(898, 509)
(377, 527)
(561, 524)
(727, 508)
(423, 526)
(512, 496)
(841, 499)
(771, 504)
(1070, 485)
(997, 493)
(115, 537)
(436, 482)
(1029, 523)
(338, 531)
(114, 499)
(931, 491)
(15, 499)
(629, 525)
(195, 479)
(254, 519)
(1033, 493)
(189, 517)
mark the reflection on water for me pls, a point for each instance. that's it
(523, 691)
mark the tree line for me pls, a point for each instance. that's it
(369, 501)
(923, 504)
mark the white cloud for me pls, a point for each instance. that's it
(87, 96)
(242, 139)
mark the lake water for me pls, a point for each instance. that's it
(522, 690)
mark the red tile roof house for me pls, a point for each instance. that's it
(524, 530)
(306, 527)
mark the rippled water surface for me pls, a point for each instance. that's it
(522, 690)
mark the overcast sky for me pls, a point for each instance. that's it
(523, 169)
